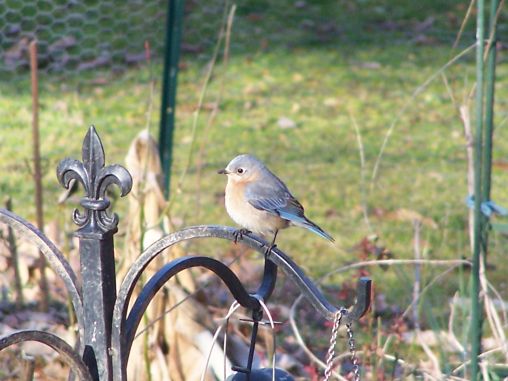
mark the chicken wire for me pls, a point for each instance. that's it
(76, 36)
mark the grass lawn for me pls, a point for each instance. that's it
(326, 66)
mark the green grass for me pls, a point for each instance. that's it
(322, 82)
(319, 86)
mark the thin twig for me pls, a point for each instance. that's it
(234, 306)
(432, 357)
(463, 24)
(272, 325)
(450, 92)
(496, 326)
(428, 286)
(390, 262)
(451, 332)
(216, 106)
(406, 105)
(500, 300)
(361, 152)
(151, 95)
(417, 225)
(481, 355)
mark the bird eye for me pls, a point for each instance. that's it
(239, 171)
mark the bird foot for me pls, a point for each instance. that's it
(269, 249)
(238, 234)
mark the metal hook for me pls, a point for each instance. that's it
(314, 295)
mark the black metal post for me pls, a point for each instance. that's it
(96, 248)
(99, 294)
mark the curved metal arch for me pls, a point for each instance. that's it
(70, 357)
(132, 276)
(130, 280)
(169, 270)
(207, 231)
(54, 258)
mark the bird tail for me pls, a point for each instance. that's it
(304, 222)
(316, 229)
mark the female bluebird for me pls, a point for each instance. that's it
(260, 202)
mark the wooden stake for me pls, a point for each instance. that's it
(43, 283)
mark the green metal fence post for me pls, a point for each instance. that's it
(476, 311)
(174, 23)
(489, 100)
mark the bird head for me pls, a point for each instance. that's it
(243, 169)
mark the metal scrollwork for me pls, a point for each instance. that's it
(108, 321)
(95, 178)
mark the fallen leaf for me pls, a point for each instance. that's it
(297, 77)
(286, 123)
(331, 102)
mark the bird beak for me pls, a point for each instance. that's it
(222, 171)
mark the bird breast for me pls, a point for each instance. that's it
(248, 217)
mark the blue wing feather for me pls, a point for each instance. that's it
(274, 197)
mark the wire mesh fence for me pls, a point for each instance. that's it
(76, 36)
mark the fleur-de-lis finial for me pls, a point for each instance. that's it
(95, 178)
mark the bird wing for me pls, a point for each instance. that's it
(274, 199)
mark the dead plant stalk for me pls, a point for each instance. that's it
(216, 107)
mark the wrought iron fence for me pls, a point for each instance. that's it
(106, 325)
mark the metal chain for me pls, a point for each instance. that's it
(333, 342)
(352, 350)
